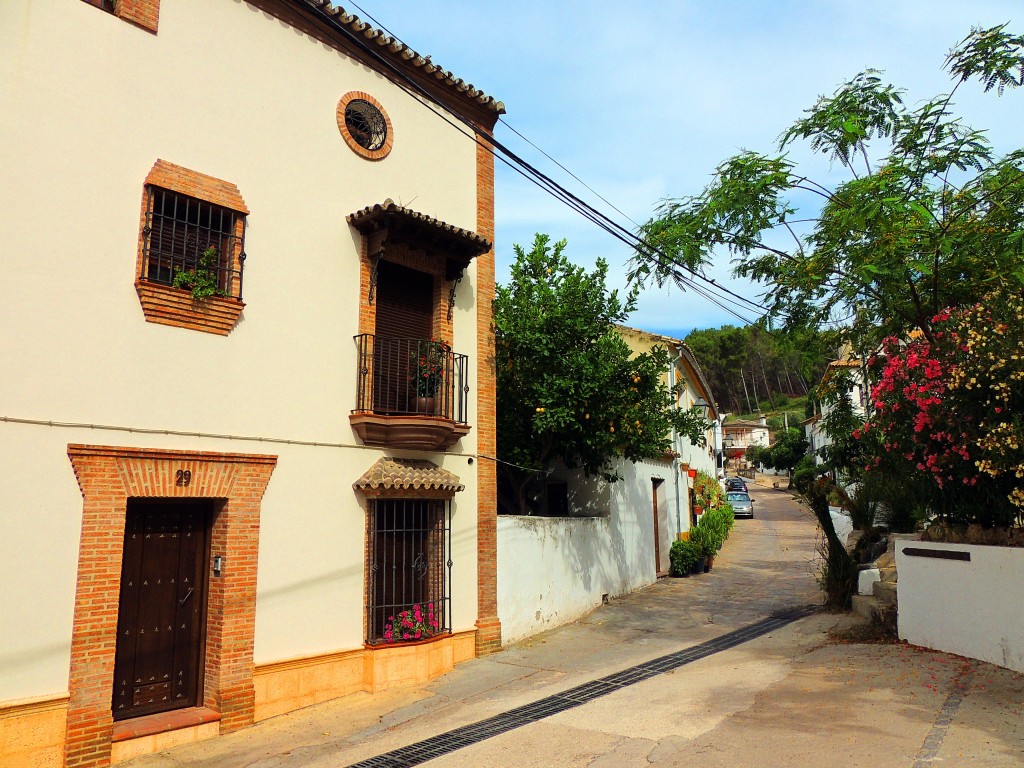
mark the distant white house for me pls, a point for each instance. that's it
(816, 437)
(740, 434)
(601, 539)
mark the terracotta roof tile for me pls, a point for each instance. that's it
(392, 476)
(362, 218)
(405, 57)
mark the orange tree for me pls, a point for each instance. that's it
(570, 392)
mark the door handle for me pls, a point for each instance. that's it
(186, 597)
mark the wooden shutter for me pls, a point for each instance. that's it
(405, 317)
(405, 302)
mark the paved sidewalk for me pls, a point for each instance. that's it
(792, 697)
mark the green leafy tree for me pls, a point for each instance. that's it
(742, 363)
(722, 354)
(757, 455)
(927, 218)
(569, 389)
(789, 447)
(841, 421)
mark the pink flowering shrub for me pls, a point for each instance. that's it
(416, 623)
(949, 408)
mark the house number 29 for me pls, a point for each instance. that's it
(183, 477)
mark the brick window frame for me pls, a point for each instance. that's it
(164, 304)
(142, 13)
(346, 134)
(108, 476)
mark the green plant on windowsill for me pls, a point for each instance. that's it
(202, 280)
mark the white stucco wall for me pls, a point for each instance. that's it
(697, 457)
(90, 103)
(972, 609)
(553, 570)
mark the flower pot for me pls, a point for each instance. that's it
(425, 404)
(698, 567)
(709, 564)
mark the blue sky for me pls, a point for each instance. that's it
(642, 100)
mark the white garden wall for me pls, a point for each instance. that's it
(972, 608)
(553, 570)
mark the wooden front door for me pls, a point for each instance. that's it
(662, 526)
(162, 608)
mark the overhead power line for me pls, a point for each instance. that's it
(710, 289)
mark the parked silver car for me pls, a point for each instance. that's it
(742, 504)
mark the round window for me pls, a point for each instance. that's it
(364, 125)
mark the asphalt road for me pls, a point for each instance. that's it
(804, 694)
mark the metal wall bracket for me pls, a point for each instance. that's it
(375, 258)
(451, 297)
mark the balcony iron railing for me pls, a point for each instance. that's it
(390, 369)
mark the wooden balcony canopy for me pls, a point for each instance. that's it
(403, 226)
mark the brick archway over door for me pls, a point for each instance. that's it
(108, 476)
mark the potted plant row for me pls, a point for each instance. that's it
(697, 554)
(707, 493)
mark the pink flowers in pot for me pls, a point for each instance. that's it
(416, 623)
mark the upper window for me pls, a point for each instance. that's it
(365, 125)
(142, 13)
(191, 250)
(193, 244)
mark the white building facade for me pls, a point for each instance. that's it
(235, 472)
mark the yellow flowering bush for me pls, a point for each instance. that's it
(949, 407)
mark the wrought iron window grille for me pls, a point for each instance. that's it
(179, 233)
(410, 570)
(366, 124)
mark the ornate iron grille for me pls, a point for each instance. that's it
(366, 124)
(179, 233)
(410, 569)
(389, 372)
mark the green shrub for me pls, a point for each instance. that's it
(729, 515)
(705, 539)
(804, 473)
(682, 556)
(715, 524)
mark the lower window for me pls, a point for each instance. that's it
(410, 569)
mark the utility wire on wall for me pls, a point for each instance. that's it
(705, 287)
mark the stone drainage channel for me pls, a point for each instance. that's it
(445, 743)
